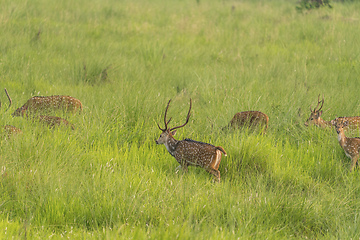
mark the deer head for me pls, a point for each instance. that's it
(170, 132)
(315, 115)
(339, 124)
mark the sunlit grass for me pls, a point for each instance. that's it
(124, 61)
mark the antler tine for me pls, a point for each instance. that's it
(322, 102)
(166, 122)
(315, 109)
(10, 101)
(160, 127)
(187, 119)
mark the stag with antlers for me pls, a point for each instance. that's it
(315, 118)
(189, 152)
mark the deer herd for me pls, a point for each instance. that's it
(187, 152)
(36, 106)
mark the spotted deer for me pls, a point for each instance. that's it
(351, 146)
(53, 121)
(10, 131)
(189, 152)
(251, 119)
(315, 118)
(48, 104)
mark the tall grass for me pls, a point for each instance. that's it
(124, 60)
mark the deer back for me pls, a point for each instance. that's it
(197, 153)
(48, 104)
(352, 123)
(11, 130)
(249, 119)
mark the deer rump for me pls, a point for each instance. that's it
(198, 153)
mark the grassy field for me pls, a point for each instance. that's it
(124, 60)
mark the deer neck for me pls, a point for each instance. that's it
(171, 144)
(323, 123)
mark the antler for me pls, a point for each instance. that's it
(322, 104)
(10, 101)
(187, 119)
(166, 122)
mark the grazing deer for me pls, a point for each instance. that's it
(48, 104)
(189, 152)
(250, 119)
(351, 146)
(315, 118)
(53, 121)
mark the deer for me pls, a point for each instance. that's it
(190, 152)
(351, 146)
(11, 130)
(49, 103)
(315, 118)
(53, 121)
(250, 119)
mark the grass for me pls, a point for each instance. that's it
(124, 60)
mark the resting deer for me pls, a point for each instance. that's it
(249, 119)
(48, 104)
(315, 118)
(53, 121)
(11, 130)
(189, 152)
(351, 146)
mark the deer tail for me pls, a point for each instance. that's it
(221, 149)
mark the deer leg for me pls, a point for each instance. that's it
(214, 172)
(181, 166)
(354, 160)
(184, 167)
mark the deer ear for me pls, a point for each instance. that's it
(173, 132)
(332, 122)
(319, 114)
